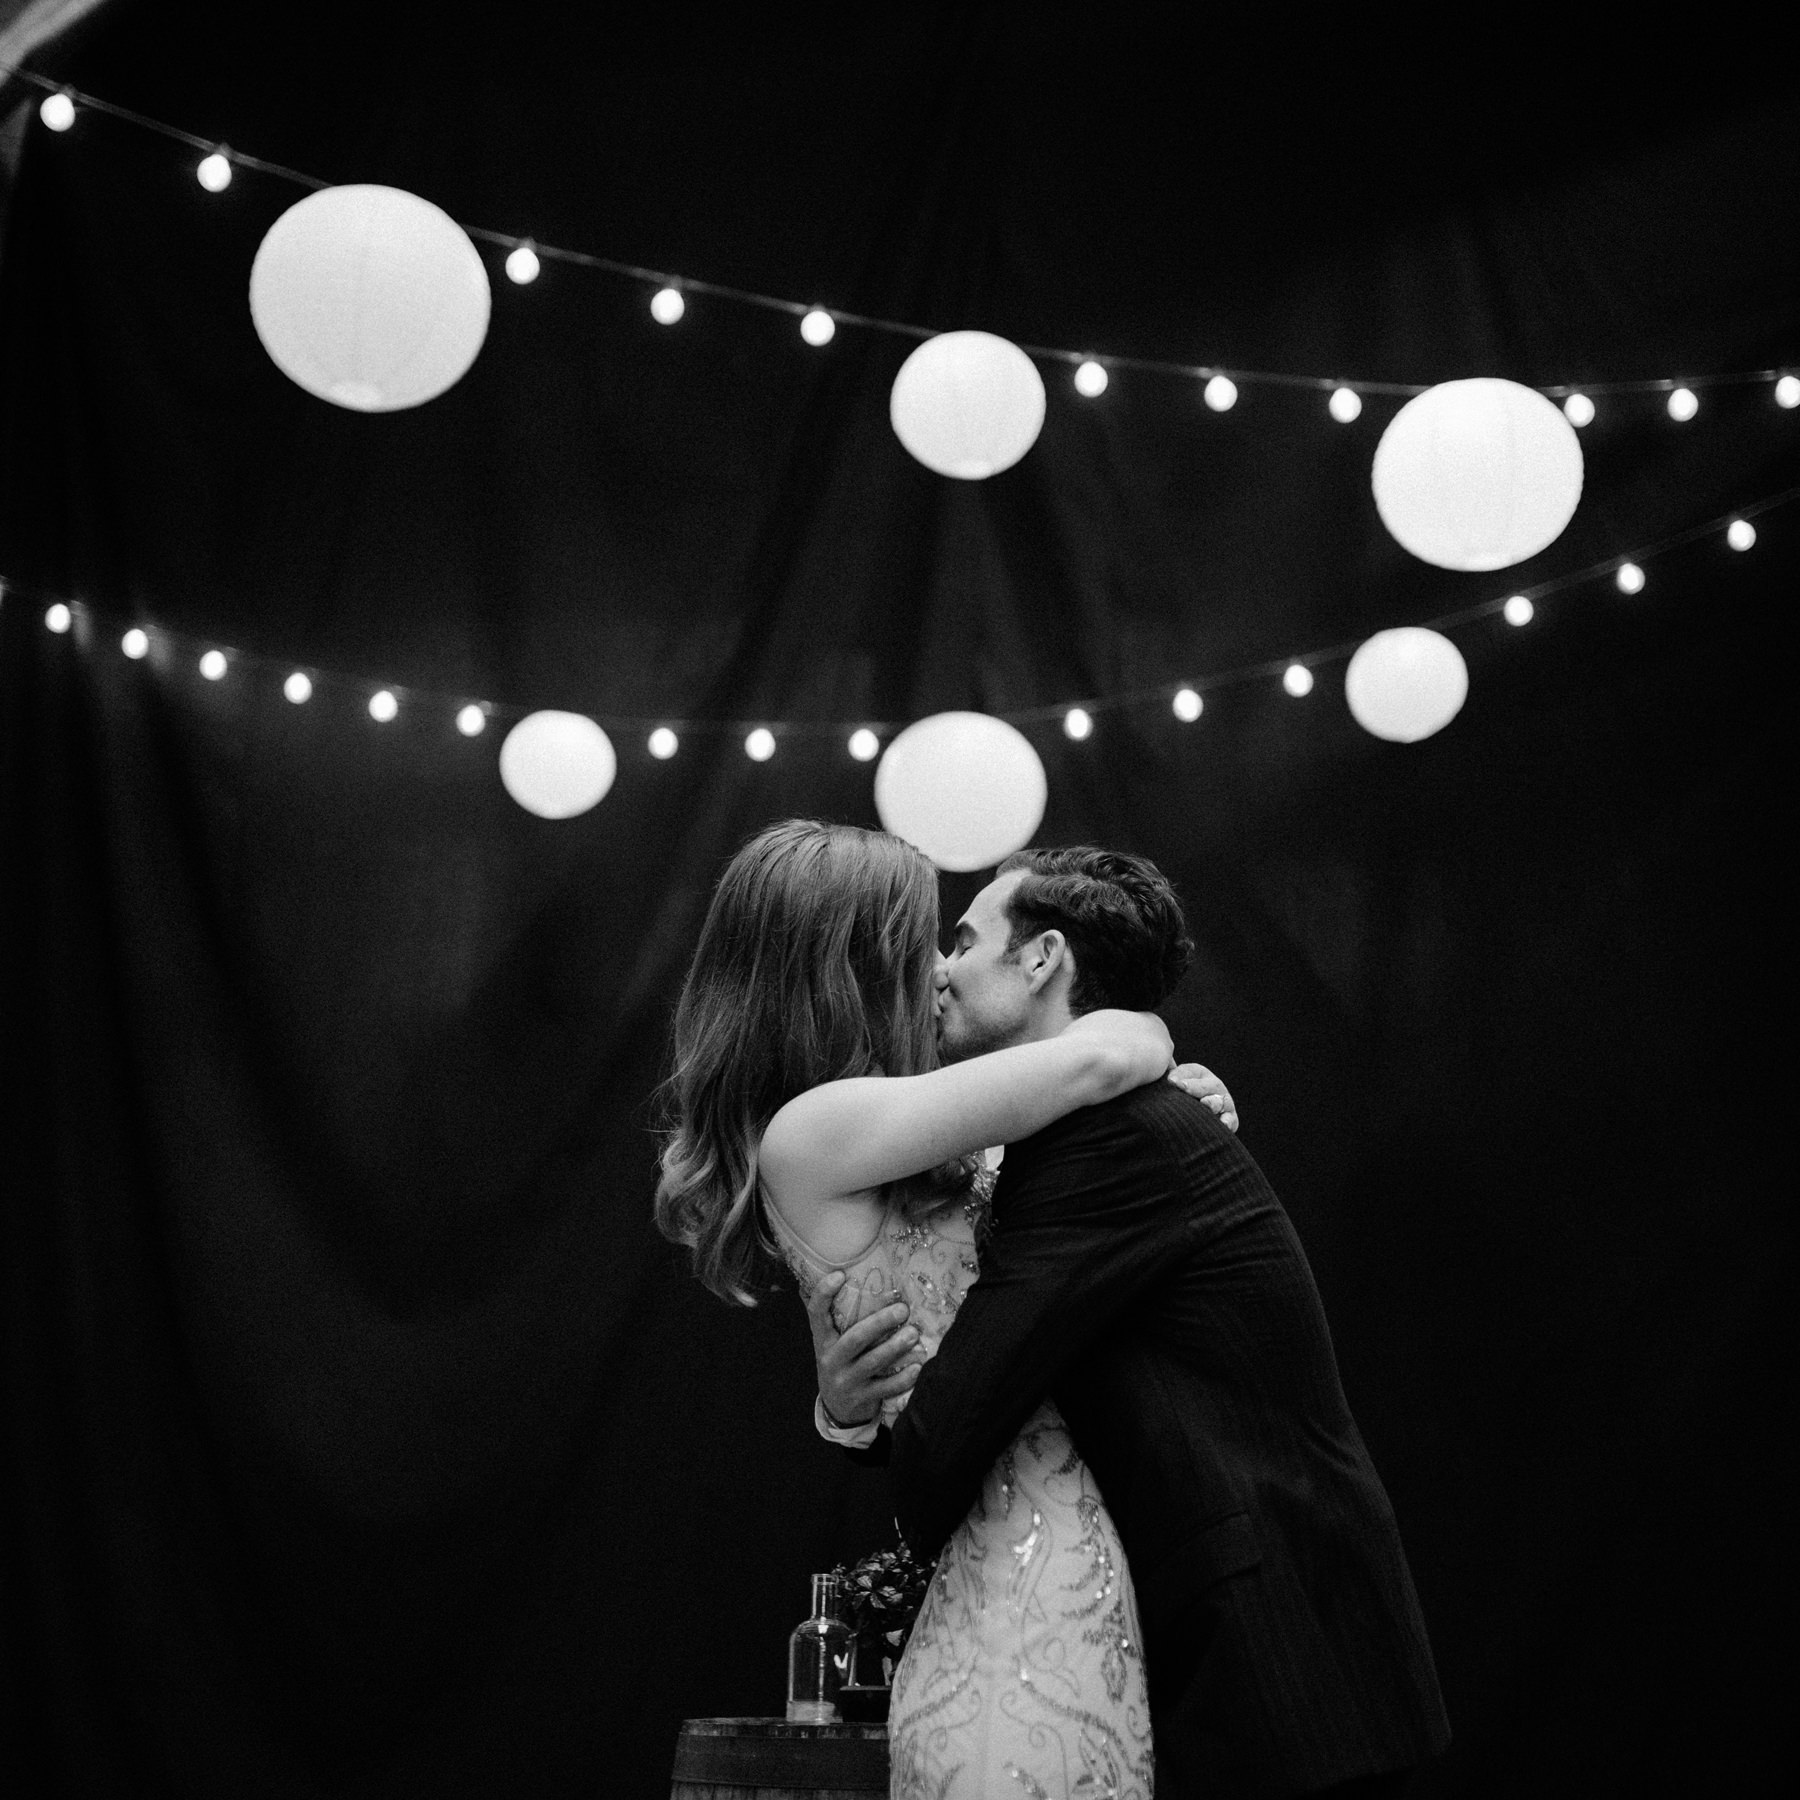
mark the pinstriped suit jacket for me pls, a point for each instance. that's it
(1144, 1274)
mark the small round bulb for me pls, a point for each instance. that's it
(1630, 579)
(1683, 404)
(759, 746)
(1297, 678)
(298, 687)
(1078, 723)
(382, 706)
(667, 305)
(818, 326)
(663, 743)
(135, 643)
(1221, 393)
(59, 618)
(212, 665)
(214, 172)
(1345, 404)
(1787, 391)
(1090, 379)
(58, 111)
(1740, 534)
(472, 720)
(1187, 705)
(1578, 409)
(1517, 610)
(865, 746)
(522, 265)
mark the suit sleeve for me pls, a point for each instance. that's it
(846, 1437)
(1093, 1219)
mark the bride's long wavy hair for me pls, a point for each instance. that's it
(814, 965)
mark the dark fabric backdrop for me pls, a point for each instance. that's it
(362, 1438)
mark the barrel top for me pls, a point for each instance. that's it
(777, 1728)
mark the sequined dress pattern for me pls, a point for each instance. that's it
(1024, 1673)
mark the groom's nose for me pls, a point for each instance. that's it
(940, 972)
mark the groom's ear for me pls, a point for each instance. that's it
(1043, 958)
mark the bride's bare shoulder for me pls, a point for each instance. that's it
(834, 1226)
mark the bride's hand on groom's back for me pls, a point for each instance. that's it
(1197, 1079)
(1145, 1051)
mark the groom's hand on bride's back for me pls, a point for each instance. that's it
(873, 1360)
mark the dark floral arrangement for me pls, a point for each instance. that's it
(879, 1598)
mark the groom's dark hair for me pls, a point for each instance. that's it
(1119, 914)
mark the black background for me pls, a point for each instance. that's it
(363, 1439)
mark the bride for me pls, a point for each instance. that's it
(810, 1123)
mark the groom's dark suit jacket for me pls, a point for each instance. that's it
(1143, 1273)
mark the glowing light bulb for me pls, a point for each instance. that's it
(472, 720)
(1787, 391)
(59, 618)
(382, 706)
(522, 265)
(759, 746)
(1517, 610)
(1578, 409)
(212, 665)
(1630, 579)
(1683, 404)
(1345, 404)
(58, 111)
(818, 326)
(667, 305)
(1090, 379)
(865, 746)
(214, 172)
(1740, 534)
(663, 743)
(1221, 393)
(1187, 705)
(135, 643)
(1297, 678)
(1077, 723)
(298, 687)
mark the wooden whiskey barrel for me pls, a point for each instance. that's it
(771, 1759)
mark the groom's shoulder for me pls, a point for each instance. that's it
(1172, 1119)
(1148, 1121)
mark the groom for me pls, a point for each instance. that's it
(1143, 1274)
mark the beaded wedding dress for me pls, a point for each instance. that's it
(1024, 1673)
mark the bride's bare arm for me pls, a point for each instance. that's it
(846, 1137)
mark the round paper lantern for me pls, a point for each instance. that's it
(965, 788)
(369, 297)
(1477, 474)
(967, 404)
(557, 764)
(1405, 684)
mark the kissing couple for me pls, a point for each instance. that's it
(1103, 1383)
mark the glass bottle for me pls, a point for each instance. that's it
(818, 1657)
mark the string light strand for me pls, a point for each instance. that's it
(659, 279)
(1059, 712)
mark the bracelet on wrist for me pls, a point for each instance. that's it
(838, 1424)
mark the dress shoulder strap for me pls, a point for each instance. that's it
(793, 1241)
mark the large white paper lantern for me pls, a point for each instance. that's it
(965, 788)
(557, 764)
(369, 297)
(1405, 684)
(1477, 474)
(967, 404)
